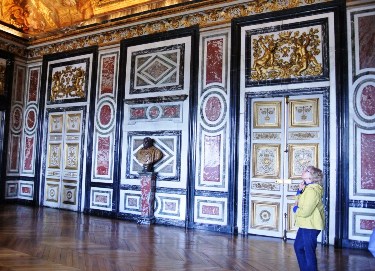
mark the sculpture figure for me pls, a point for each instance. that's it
(148, 155)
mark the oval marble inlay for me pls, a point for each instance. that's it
(154, 112)
(213, 108)
(368, 100)
(31, 119)
(105, 114)
(17, 118)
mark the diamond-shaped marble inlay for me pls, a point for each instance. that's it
(156, 69)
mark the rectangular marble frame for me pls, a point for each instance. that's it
(221, 204)
(101, 192)
(357, 216)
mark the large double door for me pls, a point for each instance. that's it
(286, 136)
(64, 159)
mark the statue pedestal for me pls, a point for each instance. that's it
(148, 187)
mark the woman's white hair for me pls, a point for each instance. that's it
(316, 174)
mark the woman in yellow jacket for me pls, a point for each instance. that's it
(309, 217)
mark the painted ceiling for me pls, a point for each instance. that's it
(33, 19)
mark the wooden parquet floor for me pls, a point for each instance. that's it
(41, 239)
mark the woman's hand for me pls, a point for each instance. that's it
(301, 185)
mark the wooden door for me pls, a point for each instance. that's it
(64, 159)
(286, 137)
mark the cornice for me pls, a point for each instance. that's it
(113, 31)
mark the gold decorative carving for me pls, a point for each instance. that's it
(267, 114)
(265, 215)
(303, 135)
(265, 186)
(54, 155)
(266, 161)
(286, 54)
(73, 124)
(52, 192)
(300, 157)
(68, 83)
(56, 124)
(267, 136)
(207, 18)
(71, 156)
(304, 113)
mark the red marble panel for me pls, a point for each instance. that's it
(31, 117)
(211, 164)
(105, 114)
(26, 189)
(213, 108)
(14, 153)
(366, 224)
(368, 161)
(154, 112)
(132, 202)
(147, 195)
(366, 37)
(368, 100)
(102, 156)
(214, 61)
(172, 111)
(101, 199)
(19, 86)
(210, 210)
(33, 85)
(137, 113)
(108, 75)
(17, 118)
(29, 148)
(170, 206)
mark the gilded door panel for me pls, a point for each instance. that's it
(63, 159)
(285, 139)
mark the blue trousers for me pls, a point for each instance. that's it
(305, 248)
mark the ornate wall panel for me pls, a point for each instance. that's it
(361, 72)
(211, 210)
(213, 131)
(170, 206)
(287, 97)
(31, 121)
(26, 190)
(16, 132)
(156, 89)
(68, 80)
(101, 198)
(16, 121)
(130, 202)
(105, 117)
(362, 223)
(11, 189)
(67, 90)
(287, 53)
(168, 167)
(158, 68)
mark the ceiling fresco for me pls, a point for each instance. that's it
(37, 18)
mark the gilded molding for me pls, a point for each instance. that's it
(203, 19)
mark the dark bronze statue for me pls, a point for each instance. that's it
(148, 155)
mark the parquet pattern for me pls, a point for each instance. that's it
(41, 239)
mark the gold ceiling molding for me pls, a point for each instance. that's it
(203, 19)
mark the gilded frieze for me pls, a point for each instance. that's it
(203, 19)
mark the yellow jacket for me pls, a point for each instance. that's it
(310, 212)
